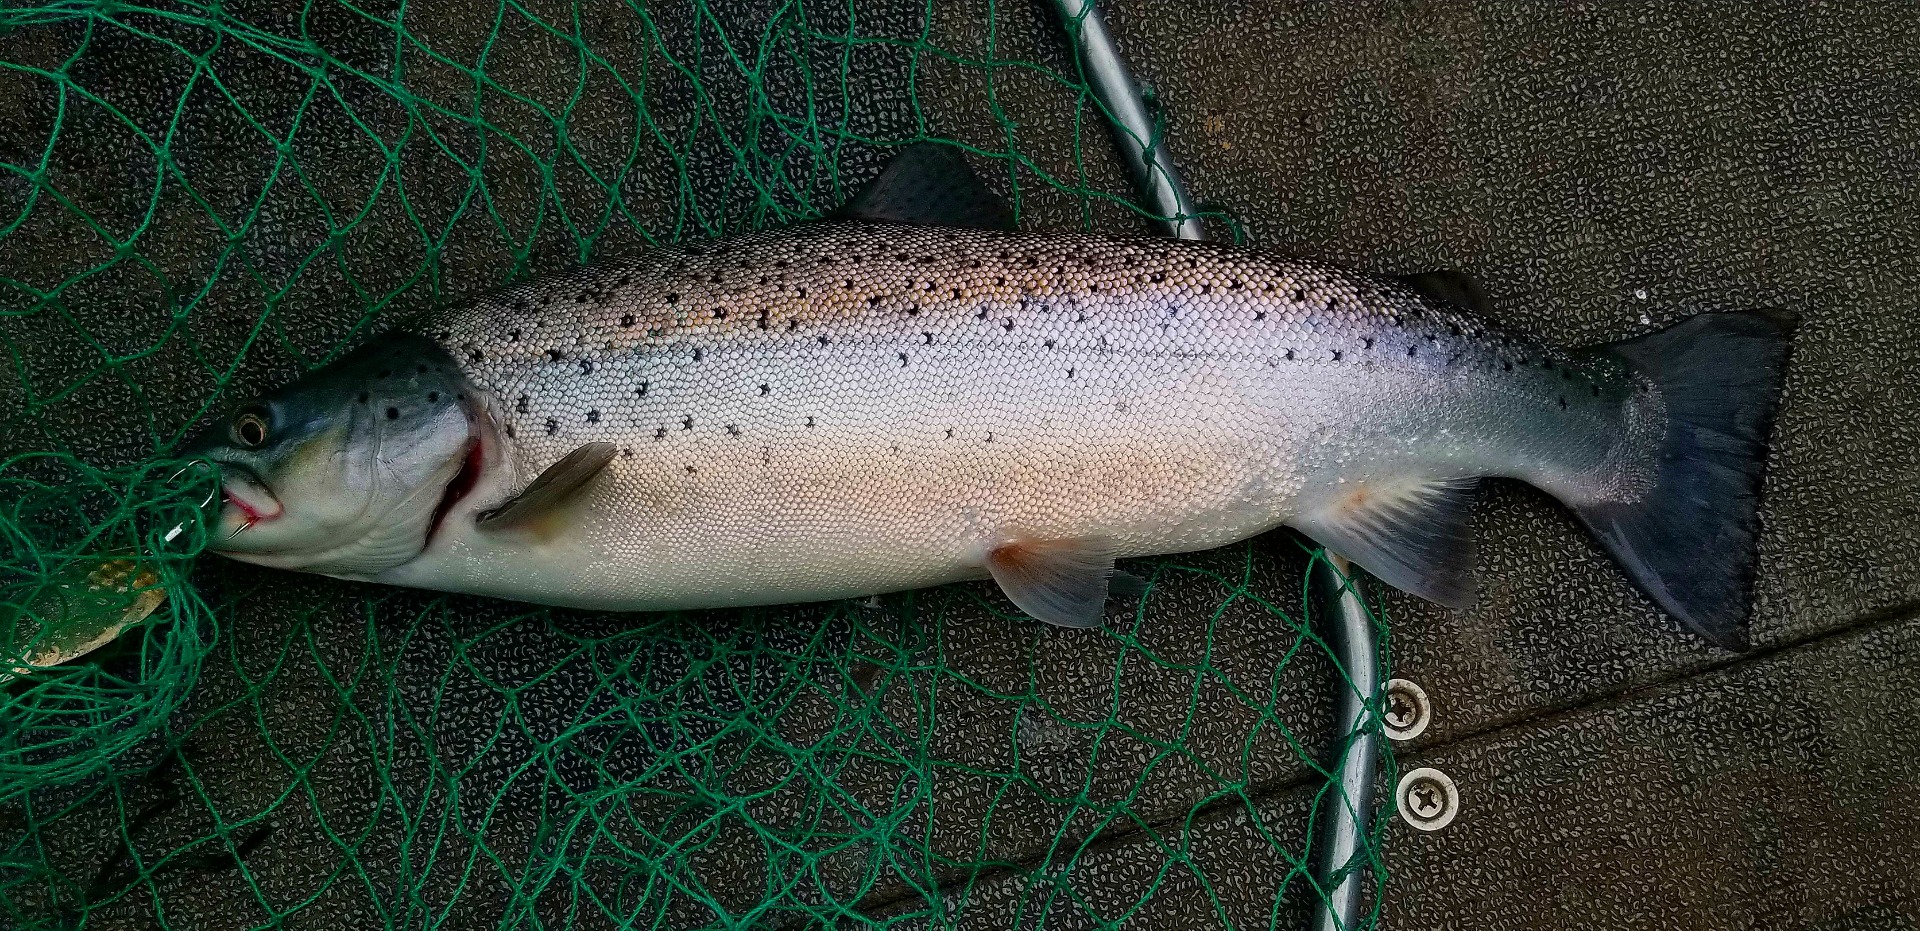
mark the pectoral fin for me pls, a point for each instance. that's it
(1062, 582)
(1411, 533)
(552, 489)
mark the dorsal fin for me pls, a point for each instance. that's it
(1454, 287)
(928, 184)
(554, 487)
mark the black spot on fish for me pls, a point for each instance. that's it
(1158, 277)
(699, 354)
(800, 292)
(393, 413)
(583, 297)
(1506, 366)
(555, 355)
(1596, 390)
(660, 433)
(686, 423)
(692, 471)
(1413, 351)
(1299, 296)
(1000, 280)
(433, 397)
(513, 336)
(509, 431)
(420, 369)
(928, 287)
(989, 437)
(626, 452)
(733, 429)
(847, 285)
(1336, 355)
(809, 421)
(586, 366)
(873, 301)
(364, 397)
(1563, 403)
(1366, 342)
(928, 337)
(384, 373)
(766, 316)
(903, 359)
(642, 390)
(553, 426)
(1289, 355)
(719, 314)
(974, 264)
(765, 389)
(1008, 326)
(956, 294)
(1236, 285)
(520, 404)
(1259, 315)
(593, 416)
(1049, 344)
(823, 339)
(1070, 372)
(793, 323)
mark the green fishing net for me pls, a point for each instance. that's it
(200, 200)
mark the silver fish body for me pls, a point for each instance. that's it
(846, 409)
(841, 409)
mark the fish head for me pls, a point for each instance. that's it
(346, 471)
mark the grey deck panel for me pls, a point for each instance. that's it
(1769, 793)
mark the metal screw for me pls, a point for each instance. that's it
(1405, 711)
(1428, 800)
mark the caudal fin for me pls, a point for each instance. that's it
(1689, 543)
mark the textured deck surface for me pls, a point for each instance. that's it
(1604, 168)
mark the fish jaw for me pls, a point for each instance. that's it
(246, 502)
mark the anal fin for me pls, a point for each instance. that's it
(1411, 533)
(1062, 582)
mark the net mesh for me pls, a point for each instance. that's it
(201, 200)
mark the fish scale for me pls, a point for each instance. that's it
(900, 397)
(851, 406)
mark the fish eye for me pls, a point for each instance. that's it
(250, 429)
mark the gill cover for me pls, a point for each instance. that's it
(342, 472)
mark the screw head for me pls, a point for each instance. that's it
(1405, 711)
(1427, 799)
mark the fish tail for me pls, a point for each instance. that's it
(1689, 542)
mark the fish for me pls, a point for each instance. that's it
(910, 392)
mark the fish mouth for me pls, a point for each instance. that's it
(247, 499)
